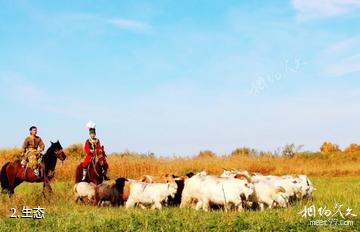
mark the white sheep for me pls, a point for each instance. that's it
(84, 190)
(150, 193)
(205, 189)
(267, 195)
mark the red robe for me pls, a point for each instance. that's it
(90, 151)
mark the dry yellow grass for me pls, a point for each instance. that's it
(133, 165)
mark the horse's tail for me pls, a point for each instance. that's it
(78, 174)
(4, 178)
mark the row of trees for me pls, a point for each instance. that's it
(328, 147)
(290, 150)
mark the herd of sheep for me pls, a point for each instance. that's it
(232, 190)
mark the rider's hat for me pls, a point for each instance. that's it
(91, 125)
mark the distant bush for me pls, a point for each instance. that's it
(243, 151)
(75, 150)
(328, 147)
(352, 148)
(206, 154)
(289, 150)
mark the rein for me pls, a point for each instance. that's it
(93, 164)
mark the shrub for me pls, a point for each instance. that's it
(352, 148)
(329, 147)
(206, 154)
(244, 151)
(289, 150)
(75, 150)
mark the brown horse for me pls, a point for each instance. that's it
(96, 172)
(13, 173)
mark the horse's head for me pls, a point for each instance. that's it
(101, 162)
(101, 157)
(58, 150)
(101, 166)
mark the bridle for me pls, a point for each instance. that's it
(58, 153)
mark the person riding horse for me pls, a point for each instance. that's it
(93, 149)
(31, 150)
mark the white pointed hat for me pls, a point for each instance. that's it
(91, 124)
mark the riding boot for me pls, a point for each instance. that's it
(36, 172)
(84, 174)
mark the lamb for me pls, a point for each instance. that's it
(112, 193)
(83, 190)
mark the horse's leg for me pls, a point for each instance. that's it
(46, 180)
(46, 185)
(99, 203)
(17, 182)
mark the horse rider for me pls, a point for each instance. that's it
(92, 149)
(31, 150)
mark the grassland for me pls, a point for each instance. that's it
(336, 177)
(62, 214)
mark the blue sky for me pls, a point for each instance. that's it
(177, 77)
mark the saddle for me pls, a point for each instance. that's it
(28, 164)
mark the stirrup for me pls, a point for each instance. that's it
(36, 172)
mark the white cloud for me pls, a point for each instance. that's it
(345, 66)
(132, 25)
(313, 9)
(344, 45)
(342, 58)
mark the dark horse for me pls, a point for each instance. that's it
(96, 172)
(13, 173)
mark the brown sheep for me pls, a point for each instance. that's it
(112, 193)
